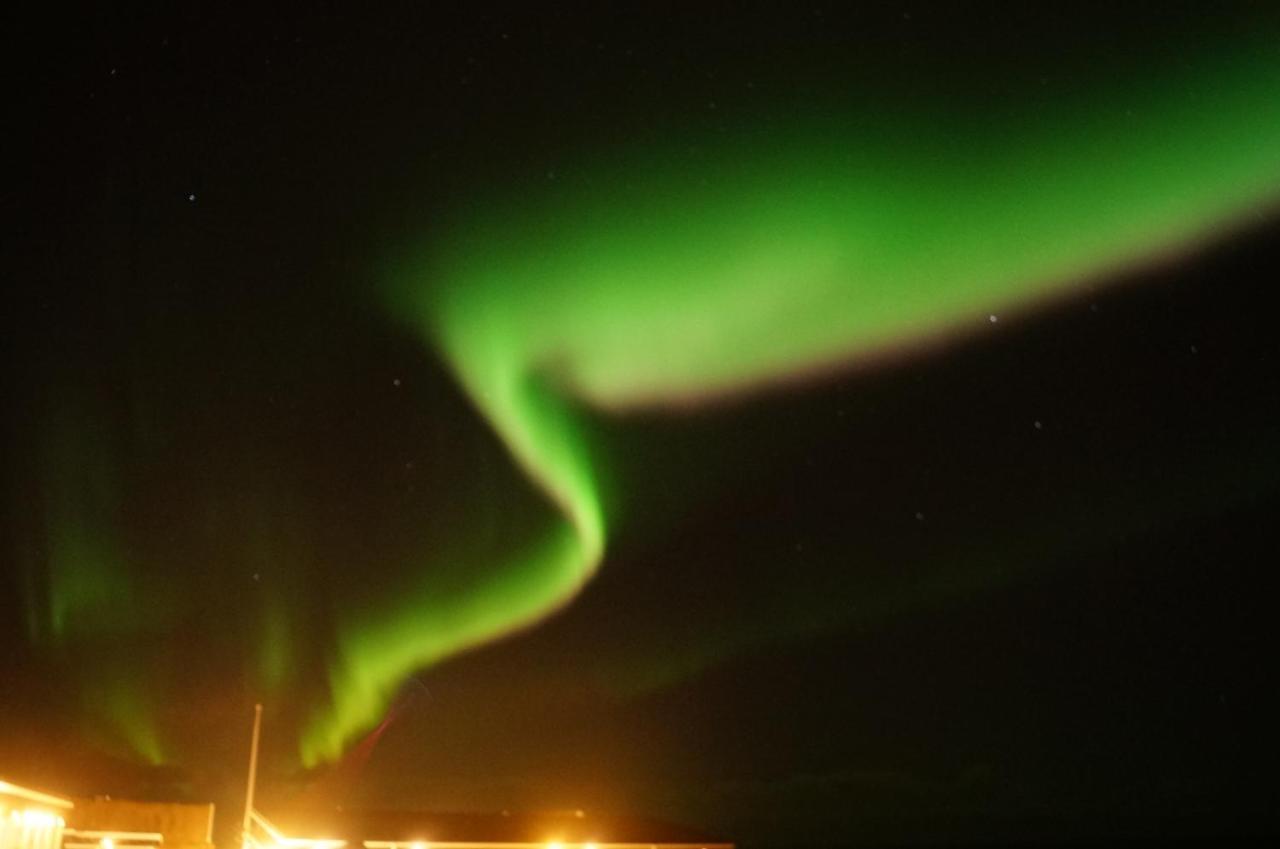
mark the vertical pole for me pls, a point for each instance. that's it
(253, 777)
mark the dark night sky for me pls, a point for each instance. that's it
(1020, 586)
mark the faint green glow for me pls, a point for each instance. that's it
(274, 647)
(813, 247)
(116, 698)
(88, 594)
(89, 587)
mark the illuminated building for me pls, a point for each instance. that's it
(30, 819)
(102, 822)
(411, 830)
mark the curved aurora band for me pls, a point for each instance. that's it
(783, 253)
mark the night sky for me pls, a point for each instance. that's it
(811, 425)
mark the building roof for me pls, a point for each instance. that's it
(379, 829)
(38, 797)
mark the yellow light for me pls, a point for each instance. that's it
(589, 846)
(36, 819)
(108, 843)
(555, 844)
(282, 842)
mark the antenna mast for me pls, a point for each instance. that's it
(253, 777)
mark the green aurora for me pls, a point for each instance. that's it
(781, 253)
(722, 263)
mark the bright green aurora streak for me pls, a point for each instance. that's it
(784, 254)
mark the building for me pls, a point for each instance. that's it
(414, 830)
(103, 822)
(31, 819)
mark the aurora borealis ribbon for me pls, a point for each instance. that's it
(662, 280)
